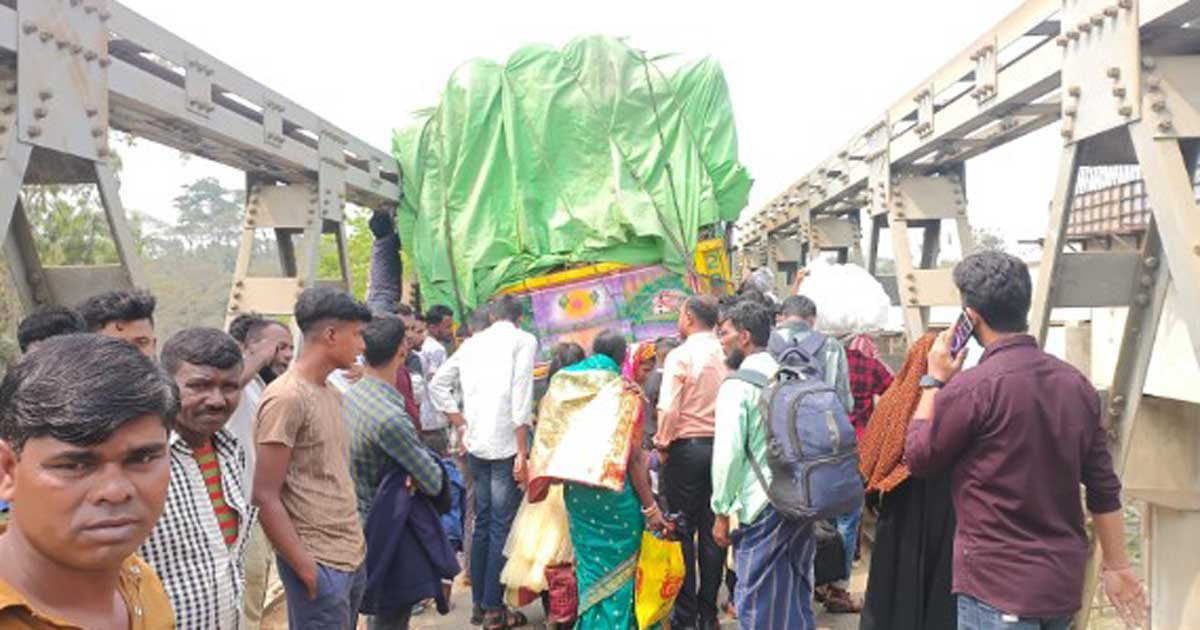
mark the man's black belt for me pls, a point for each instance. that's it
(706, 441)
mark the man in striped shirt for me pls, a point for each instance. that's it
(197, 547)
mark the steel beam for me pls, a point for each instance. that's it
(1060, 210)
(85, 66)
(1027, 79)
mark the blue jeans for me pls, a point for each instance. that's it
(496, 500)
(847, 526)
(976, 615)
(338, 596)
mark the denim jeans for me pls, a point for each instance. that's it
(496, 501)
(976, 615)
(847, 526)
(338, 596)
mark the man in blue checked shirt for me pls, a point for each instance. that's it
(382, 435)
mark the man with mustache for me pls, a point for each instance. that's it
(266, 353)
(84, 424)
(197, 548)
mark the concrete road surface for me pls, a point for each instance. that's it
(460, 613)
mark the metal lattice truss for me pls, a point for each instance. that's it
(73, 69)
(1123, 79)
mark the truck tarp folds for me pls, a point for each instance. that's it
(591, 153)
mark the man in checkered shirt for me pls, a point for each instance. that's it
(198, 545)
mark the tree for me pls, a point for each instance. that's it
(988, 240)
(358, 248)
(210, 215)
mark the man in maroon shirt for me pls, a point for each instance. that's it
(1019, 433)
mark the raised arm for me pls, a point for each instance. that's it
(386, 272)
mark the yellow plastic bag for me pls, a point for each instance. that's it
(659, 577)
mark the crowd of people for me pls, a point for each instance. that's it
(388, 452)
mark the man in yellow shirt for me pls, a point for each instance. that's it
(84, 421)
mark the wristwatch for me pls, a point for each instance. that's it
(929, 382)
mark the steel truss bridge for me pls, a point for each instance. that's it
(1121, 79)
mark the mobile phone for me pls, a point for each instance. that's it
(962, 334)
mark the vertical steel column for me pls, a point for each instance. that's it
(1056, 234)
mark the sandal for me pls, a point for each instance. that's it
(504, 619)
(477, 615)
(839, 601)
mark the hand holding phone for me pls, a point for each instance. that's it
(948, 353)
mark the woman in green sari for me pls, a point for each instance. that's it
(589, 429)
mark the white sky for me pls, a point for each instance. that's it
(804, 75)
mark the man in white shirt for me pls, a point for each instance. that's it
(494, 371)
(434, 425)
(266, 350)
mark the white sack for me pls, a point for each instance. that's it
(849, 300)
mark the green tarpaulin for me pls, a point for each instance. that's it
(591, 153)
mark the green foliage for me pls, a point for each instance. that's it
(358, 248)
(68, 225)
(210, 215)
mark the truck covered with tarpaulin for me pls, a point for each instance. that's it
(561, 167)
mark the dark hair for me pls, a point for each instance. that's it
(80, 389)
(997, 285)
(508, 308)
(383, 336)
(200, 346)
(704, 309)
(324, 303)
(755, 295)
(610, 343)
(404, 310)
(248, 327)
(116, 306)
(666, 344)
(753, 318)
(564, 354)
(437, 313)
(798, 306)
(46, 322)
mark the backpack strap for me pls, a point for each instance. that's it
(761, 381)
(754, 377)
(812, 344)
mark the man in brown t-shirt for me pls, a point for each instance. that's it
(302, 479)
